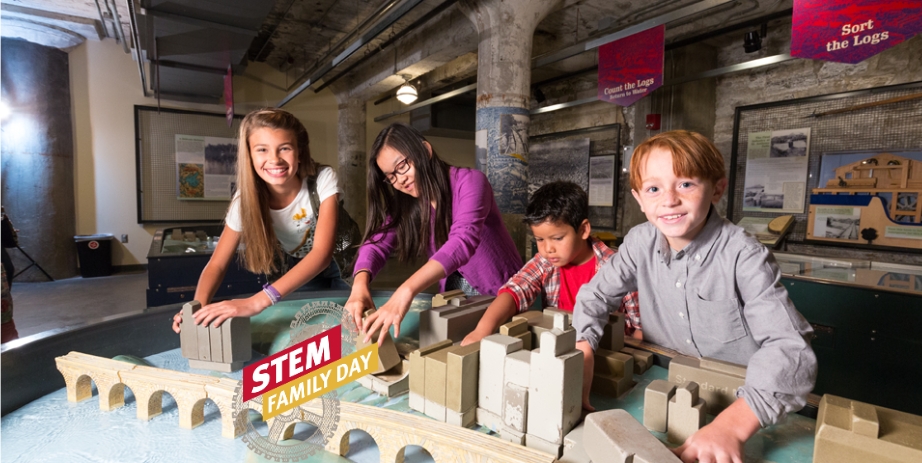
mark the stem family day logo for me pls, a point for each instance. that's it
(281, 386)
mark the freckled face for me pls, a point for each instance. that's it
(677, 206)
(391, 162)
(275, 157)
(560, 244)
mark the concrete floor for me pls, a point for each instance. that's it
(42, 306)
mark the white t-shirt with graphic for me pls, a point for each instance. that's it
(297, 221)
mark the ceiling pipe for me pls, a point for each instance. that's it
(133, 19)
(374, 16)
(102, 19)
(119, 33)
(422, 20)
(366, 37)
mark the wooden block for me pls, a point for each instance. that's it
(493, 351)
(188, 337)
(517, 368)
(463, 368)
(613, 333)
(434, 410)
(614, 373)
(847, 432)
(550, 313)
(417, 401)
(463, 419)
(526, 338)
(686, 413)
(452, 322)
(718, 381)
(393, 382)
(441, 299)
(488, 419)
(436, 376)
(558, 342)
(573, 451)
(240, 346)
(612, 387)
(514, 327)
(532, 317)
(537, 443)
(176, 234)
(655, 404)
(418, 367)
(643, 360)
(388, 357)
(615, 436)
(201, 235)
(216, 337)
(515, 407)
(555, 394)
(511, 435)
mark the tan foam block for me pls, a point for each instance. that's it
(718, 381)
(514, 327)
(418, 366)
(845, 433)
(686, 413)
(437, 375)
(643, 360)
(441, 299)
(463, 366)
(655, 404)
(615, 436)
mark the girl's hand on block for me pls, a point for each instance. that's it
(359, 301)
(390, 314)
(219, 311)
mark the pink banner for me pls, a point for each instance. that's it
(632, 67)
(229, 96)
(852, 31)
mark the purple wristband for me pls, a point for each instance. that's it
(273, 293)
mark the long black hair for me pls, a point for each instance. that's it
(408, 215)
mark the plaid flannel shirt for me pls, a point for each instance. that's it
(540, 276)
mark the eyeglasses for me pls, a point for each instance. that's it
(401, 168)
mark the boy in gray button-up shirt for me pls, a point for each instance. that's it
(708, 290)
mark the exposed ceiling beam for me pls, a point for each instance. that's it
(199, 22)
(428, 102)
(364, 39)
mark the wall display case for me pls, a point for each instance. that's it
(868, 318)
(175, 261)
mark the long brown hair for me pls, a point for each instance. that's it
(261, 245)
(408, 215)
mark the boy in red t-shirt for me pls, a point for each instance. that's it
(567, 258)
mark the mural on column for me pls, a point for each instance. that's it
(480, 159)
(511, 163)
(566, 160)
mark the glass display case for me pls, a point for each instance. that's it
(867, 318)
(175, 261)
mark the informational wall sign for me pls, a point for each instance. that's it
(852, 31)
(206, 167)
(632, 67)
(776, 171)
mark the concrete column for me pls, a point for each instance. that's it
(506, 29)
(38, 158)
(352, 159)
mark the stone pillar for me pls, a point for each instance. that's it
(38, 158)
(352, 160)
(506, 29)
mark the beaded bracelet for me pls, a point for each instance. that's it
(273, 293)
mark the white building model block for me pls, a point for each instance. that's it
(615, 436)
(224, 348)
(491, 383)
(555, 387)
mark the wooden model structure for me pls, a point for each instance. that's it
(224, 348)
(148, 385)
(871, 179)
(848, 431)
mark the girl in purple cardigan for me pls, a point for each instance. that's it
(419, 205)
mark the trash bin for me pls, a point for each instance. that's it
(94, 252)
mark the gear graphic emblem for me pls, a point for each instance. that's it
(322, 413)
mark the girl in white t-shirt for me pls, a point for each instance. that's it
(272, 215)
